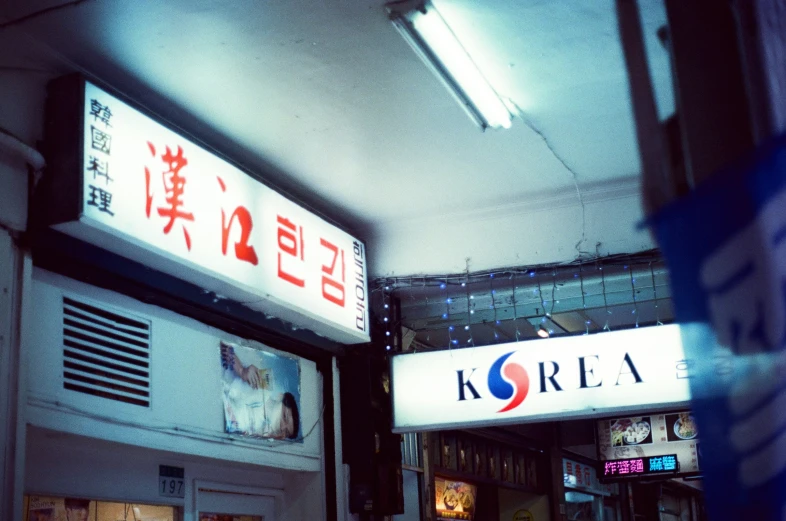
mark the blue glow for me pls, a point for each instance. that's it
(450, 328)
(466, 328)
(444, 315)
(443, 286)
(449, 300)
(531, 274)
(454, 341)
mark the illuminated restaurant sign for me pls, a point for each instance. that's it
(647, 465)
(651, 435)
(138, 189)
(563, 377)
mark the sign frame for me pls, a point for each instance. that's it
(651, 413)
(61, 204)
(554, 344)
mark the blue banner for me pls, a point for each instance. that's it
(725, 245)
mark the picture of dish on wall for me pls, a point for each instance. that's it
(455, 499)
(630, 431)
(681, 426)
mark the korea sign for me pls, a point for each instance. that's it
(569, 377)
(151, 195)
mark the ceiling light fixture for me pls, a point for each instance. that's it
(426, 31)
(543, 332)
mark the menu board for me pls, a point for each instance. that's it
(454, 499)
(651, 436)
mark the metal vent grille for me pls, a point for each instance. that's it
(105, 354)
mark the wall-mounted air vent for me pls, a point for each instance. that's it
(105, 354)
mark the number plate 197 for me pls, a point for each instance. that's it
(171, 487)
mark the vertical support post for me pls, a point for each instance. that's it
(712, 100)
(555, 476)
(430, 446)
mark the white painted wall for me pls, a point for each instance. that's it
(114, 449)
(68, 465)
(545, 228)
(186, 413)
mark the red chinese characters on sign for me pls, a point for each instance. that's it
(174, 187)
(587, 477)
(291, 256)
(333, 276)
(578, 474)
(243, 250)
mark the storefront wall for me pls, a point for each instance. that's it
(514, 505)
(183, 425)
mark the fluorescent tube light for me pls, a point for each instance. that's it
(433, 40)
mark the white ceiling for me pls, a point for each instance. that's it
(327, 101)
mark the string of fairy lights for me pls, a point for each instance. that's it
(452, 289)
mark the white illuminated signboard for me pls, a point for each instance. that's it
(153, 196)
(558, 378)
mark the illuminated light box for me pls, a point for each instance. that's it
(454, 499)
(644, 466)
(128, 184)
(651, 435)
(565, 378)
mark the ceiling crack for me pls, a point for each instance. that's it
(523, 116)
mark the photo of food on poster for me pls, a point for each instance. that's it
(653, 435)
(631, 431)
(454, 499)
(261, 393)
(681, 426)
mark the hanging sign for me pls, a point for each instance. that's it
(132, 186)
(652, 435)
(568, 377)
(644, 466)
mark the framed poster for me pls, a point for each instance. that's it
(261, 393)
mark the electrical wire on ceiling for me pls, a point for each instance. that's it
(36, 14)
(523, 116)
(456, 279)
